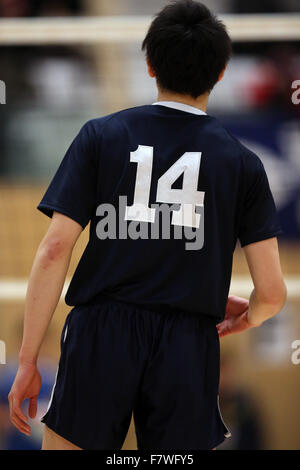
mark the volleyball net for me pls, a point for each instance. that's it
(128, 29)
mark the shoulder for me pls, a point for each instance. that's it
(117, 119)
(95, 131)
(248, 159)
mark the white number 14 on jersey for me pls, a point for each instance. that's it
(188, 197)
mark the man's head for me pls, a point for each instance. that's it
(187, 48)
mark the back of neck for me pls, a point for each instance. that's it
(200, 102)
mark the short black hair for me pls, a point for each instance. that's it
(187, 47)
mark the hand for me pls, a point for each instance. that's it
(236, 317)
(27, 384)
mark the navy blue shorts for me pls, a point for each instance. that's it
(118, 358)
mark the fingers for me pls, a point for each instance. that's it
(20, 425)
(15, 406)
(223, 329)
(17, 417)
(32, 408)
(235, 306)
(223, 333)
(233, 325)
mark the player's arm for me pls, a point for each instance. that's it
(268, 295)
(45, 285)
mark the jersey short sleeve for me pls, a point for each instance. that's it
(72, 190)
(259, 219)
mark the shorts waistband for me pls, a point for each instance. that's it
(160, 309)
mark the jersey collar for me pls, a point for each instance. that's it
(181, 107)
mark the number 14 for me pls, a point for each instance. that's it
(188, 197)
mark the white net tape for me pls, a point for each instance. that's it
(128, 29)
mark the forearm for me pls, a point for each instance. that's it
(44, 290)
(261, 309)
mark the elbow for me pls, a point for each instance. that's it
(273, 297)
(52, 250)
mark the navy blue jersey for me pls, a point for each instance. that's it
(168, 192)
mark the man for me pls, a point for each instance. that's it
(168, 192)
